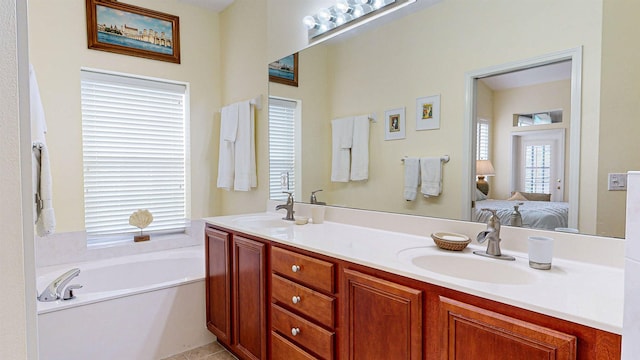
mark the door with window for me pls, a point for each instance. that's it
(538, 162)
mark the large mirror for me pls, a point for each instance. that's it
(434, 52)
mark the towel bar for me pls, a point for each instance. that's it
(444, 159)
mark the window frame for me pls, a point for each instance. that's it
(156, 83)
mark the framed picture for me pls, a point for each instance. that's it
(285, 70)
(394, 124)
(428, 113)
(131, 30)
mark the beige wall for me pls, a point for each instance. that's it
(444, 44)
(619, 109)
(244, 71)
(527, 99)
(59, 49)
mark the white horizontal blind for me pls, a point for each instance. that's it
(134, 153)
(482, 140)
(281, 147)
(537, 178)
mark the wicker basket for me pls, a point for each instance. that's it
(456, 243)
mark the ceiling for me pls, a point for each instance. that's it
(215, 5)
(537, 75)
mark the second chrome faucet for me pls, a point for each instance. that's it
(288, 206)
(492, 236)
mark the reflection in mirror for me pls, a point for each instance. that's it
(431, 52)
(527, 166)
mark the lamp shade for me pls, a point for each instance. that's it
(484, 168)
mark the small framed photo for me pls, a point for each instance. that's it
(285, 70)
(394, 124)
(428, 113)
(132, 30)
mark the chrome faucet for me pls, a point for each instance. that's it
(314, 199)
(54, 290)
(492, 236)
(288, 206)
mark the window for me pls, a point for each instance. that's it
(482, 140)
(283, 172)
(134, 154)
(537, 170)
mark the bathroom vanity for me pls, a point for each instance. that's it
(276, 290)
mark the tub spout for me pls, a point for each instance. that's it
(54, 290)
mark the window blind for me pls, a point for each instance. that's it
(537, 169)
(482, 140)
(134, 153)
(282, 157)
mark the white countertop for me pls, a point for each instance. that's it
(576, 291)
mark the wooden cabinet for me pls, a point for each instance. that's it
(218, 284)
(470, 332)
(236, 292)
(303, 306)
(272, 301)
(383, 319)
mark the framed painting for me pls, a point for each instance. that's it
(131, 30)
(394, 124)
(285, 70)
(428, 113)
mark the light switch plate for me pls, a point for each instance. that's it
(617, 182)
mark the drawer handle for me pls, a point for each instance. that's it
(295, 268)
(295, 299)
(295, 331)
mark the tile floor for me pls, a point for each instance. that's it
(213, 351)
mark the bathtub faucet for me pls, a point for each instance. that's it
(54, 290)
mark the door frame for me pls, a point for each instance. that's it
(469, 137)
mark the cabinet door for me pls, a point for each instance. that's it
(470, 332)
(218, 285)
(249, 295)
(383, 319)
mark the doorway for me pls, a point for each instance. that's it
(570, 188)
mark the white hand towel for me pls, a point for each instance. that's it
(411, 178)
(245, 151)
(226, 155)
(229, 127)
(46, 223)
(42, 185)
(431, 173)
(341, 129)
(360, 149)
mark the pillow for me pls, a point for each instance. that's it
(480, 195)
(517, 196)
(524, 196)
(537, 196)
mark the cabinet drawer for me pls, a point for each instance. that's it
(312, 272)
(303, 332)
(300, 298)
(282, 348)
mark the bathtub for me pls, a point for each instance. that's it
(146, 306)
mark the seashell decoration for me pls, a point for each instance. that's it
(141, 219)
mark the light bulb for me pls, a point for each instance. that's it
(343, 5)
(325, 15)
(310, 22)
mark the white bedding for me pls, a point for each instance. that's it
(535, 214)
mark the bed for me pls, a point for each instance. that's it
(547, 215)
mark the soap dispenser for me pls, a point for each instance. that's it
(516, 217)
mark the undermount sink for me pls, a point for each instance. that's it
(262, 222)
(467, 266)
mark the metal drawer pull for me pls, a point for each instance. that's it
(295, 331)
(295, 268)
(295, 299)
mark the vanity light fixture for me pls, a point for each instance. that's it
(347, 14)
